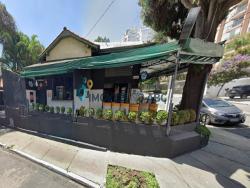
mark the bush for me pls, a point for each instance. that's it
(184, 116)
(82, 111)
(62, 109)
(161, 116)
(203, 130)
(46, 108)
(192, 115)
(57, 109)
(175, 119)
(51, 109)
(107, 114)
(37, 106)
(41, 107)
(91, 112)
(119, 115)
(146, 117)
(98, 113)
(132, 116)
(69, 111)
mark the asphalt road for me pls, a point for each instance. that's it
(17, 172)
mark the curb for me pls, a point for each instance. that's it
(81, 180)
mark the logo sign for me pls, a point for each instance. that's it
(189, 23)
(144, 75)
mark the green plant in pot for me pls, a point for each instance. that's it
(69, 111)
(57, 109)
(46, 108)
(119, 115)
(205, 134)
(146, 117)
(132, 116)
(98, 113)
(161, 117)
(82, 111)
(91, 112)
(107, 114)
(62, 110)
(37, 106)
(182, 116)
(175, 119)
(51, 109)
(41, 107)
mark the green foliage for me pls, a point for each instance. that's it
(69, 111)
(161, 116)
(91, 112)
(107, 114)
(160, 37)
(175, 119)
(203, 130)
(184, 116)
(118, 177)
(62, 109)
(51, 109)
(33, 106)
(57, 109)
(82, 111)
(102, 39)
(99, 113)
(146, 117)
(132, 116)
(119, 115)
(192, 115)
(41, 107)
(46, 108)
(37, 106)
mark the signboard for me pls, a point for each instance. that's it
(189, 23)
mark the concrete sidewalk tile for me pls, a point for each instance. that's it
(37, 148)
(60, 157)
(90, 164)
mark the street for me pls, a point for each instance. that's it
(17, 172)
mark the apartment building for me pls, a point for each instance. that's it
(236, 23)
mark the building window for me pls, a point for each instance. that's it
(237, 21)
(62, 87)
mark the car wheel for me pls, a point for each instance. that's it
(205, 119)
(244, 96)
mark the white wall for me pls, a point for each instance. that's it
(28, 95)
(212, 91)
(60, 103)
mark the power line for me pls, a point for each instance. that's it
(99, 19)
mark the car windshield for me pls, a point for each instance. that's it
(216, 103)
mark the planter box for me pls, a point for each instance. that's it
(153, 107)
(106, 105)
(115, 106)
(134, 107)
(125, 107)
(144, 107)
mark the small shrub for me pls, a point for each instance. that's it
(37, 106)
(192, 115)
(175, 119)
(51, 109)
(187, 116)
(107, 114)
(82, 111)
(203, 130)
(146, 117)
(91, 112)
(57, 109)
(41, 107)
(98, 113)
(132, 116)
(182, 116)
(62, 109)
(161, 116)
(69, 111)
(119, 115)
(46, 108)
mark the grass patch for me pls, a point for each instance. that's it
(118, 177)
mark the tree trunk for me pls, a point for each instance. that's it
(220, 90)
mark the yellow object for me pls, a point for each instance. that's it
(90, 84)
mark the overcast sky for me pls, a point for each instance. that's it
(46, 18)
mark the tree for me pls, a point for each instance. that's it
(102, 39)
(230, 70)
(169, 15)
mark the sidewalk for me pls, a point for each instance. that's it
(225, 162)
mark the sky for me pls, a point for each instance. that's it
(46, 18)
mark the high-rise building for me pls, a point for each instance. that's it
(236, 23)
(142, 34)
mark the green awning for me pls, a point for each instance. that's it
(194, 51)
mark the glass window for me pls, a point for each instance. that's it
(216, 103)
(62, 87)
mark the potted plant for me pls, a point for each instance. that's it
(146, 117)
(47, 108)
(62, 110)
(119, 115)
(51, 109)
(91, 112)
(161, 117)
(204, 133)
(175, 119)
(107, 114)
(132, 116)
(82, 111)
(69, 111)
(98, 113)
(41, 107)
(57, 109)
(37, 107)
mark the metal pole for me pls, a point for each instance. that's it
(170, 108)
(168, 93)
